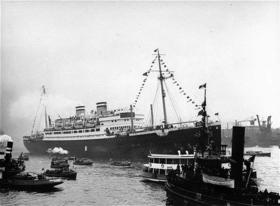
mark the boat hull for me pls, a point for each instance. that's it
(33, 184)
(132, 147)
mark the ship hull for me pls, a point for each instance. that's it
(132, 147)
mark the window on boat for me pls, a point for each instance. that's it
(57, 132)
(80, 131)
(67, 132)
(97, 129)
(162, 171)
(176, 161)
(169, 161)
(162, 161)
(75, 131)
(156, 160)
(92, 130)
(86, 130)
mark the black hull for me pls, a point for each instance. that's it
(32, 185)
(192, 191)
(178, 196)
(133, 147)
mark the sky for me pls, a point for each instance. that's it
(85, 52)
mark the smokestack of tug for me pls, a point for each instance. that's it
(6, 146)
(237, 155)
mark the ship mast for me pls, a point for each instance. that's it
(161, 79)
(45, 107)
(41, 99)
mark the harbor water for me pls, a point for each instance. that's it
(105, 184)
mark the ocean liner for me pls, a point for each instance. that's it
(120, 134)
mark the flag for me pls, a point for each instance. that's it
(145, 74)
(155, 50)
(252, 159)
(50, 121)
(203, 103)
(216, 113)
(202, 86)
(44, 89)
(201, 112)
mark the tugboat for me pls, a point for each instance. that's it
(161, 164)
(32, 181)
(64, 173)
(208, 182)
(12, 173)
(59, 163)
(60, 168)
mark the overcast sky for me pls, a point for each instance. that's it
(85, 52)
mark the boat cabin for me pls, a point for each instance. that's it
(161, 164)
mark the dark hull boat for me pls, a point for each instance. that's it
(12, 175)
(119, 134)
(33, 184)
(121, 163)
(207, 182)
(83, 161)
(62, 173)
(135, 146)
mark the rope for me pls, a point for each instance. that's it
(33, 125)
(172, 103)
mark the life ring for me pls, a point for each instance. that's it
(162, 165)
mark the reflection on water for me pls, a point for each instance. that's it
(104, 184)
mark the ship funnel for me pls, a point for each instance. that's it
(6, 147)
(237, 155)
(80, 111)
(101, 108)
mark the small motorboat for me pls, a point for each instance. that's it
(83, 161)
(65, 173)
(59, 163)
(121, 163)
(28, 181)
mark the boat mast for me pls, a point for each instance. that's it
(152, 116)
(131, 119)
(41, 98)
(161, 79)
(45, 107)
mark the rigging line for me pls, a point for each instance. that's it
(154, 100)
(172, 103)
(143, 84)
(40, 119)
(183, 90)
(33, 125)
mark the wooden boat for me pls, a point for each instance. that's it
(83, 161)
(161, 164)
(59, 163)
